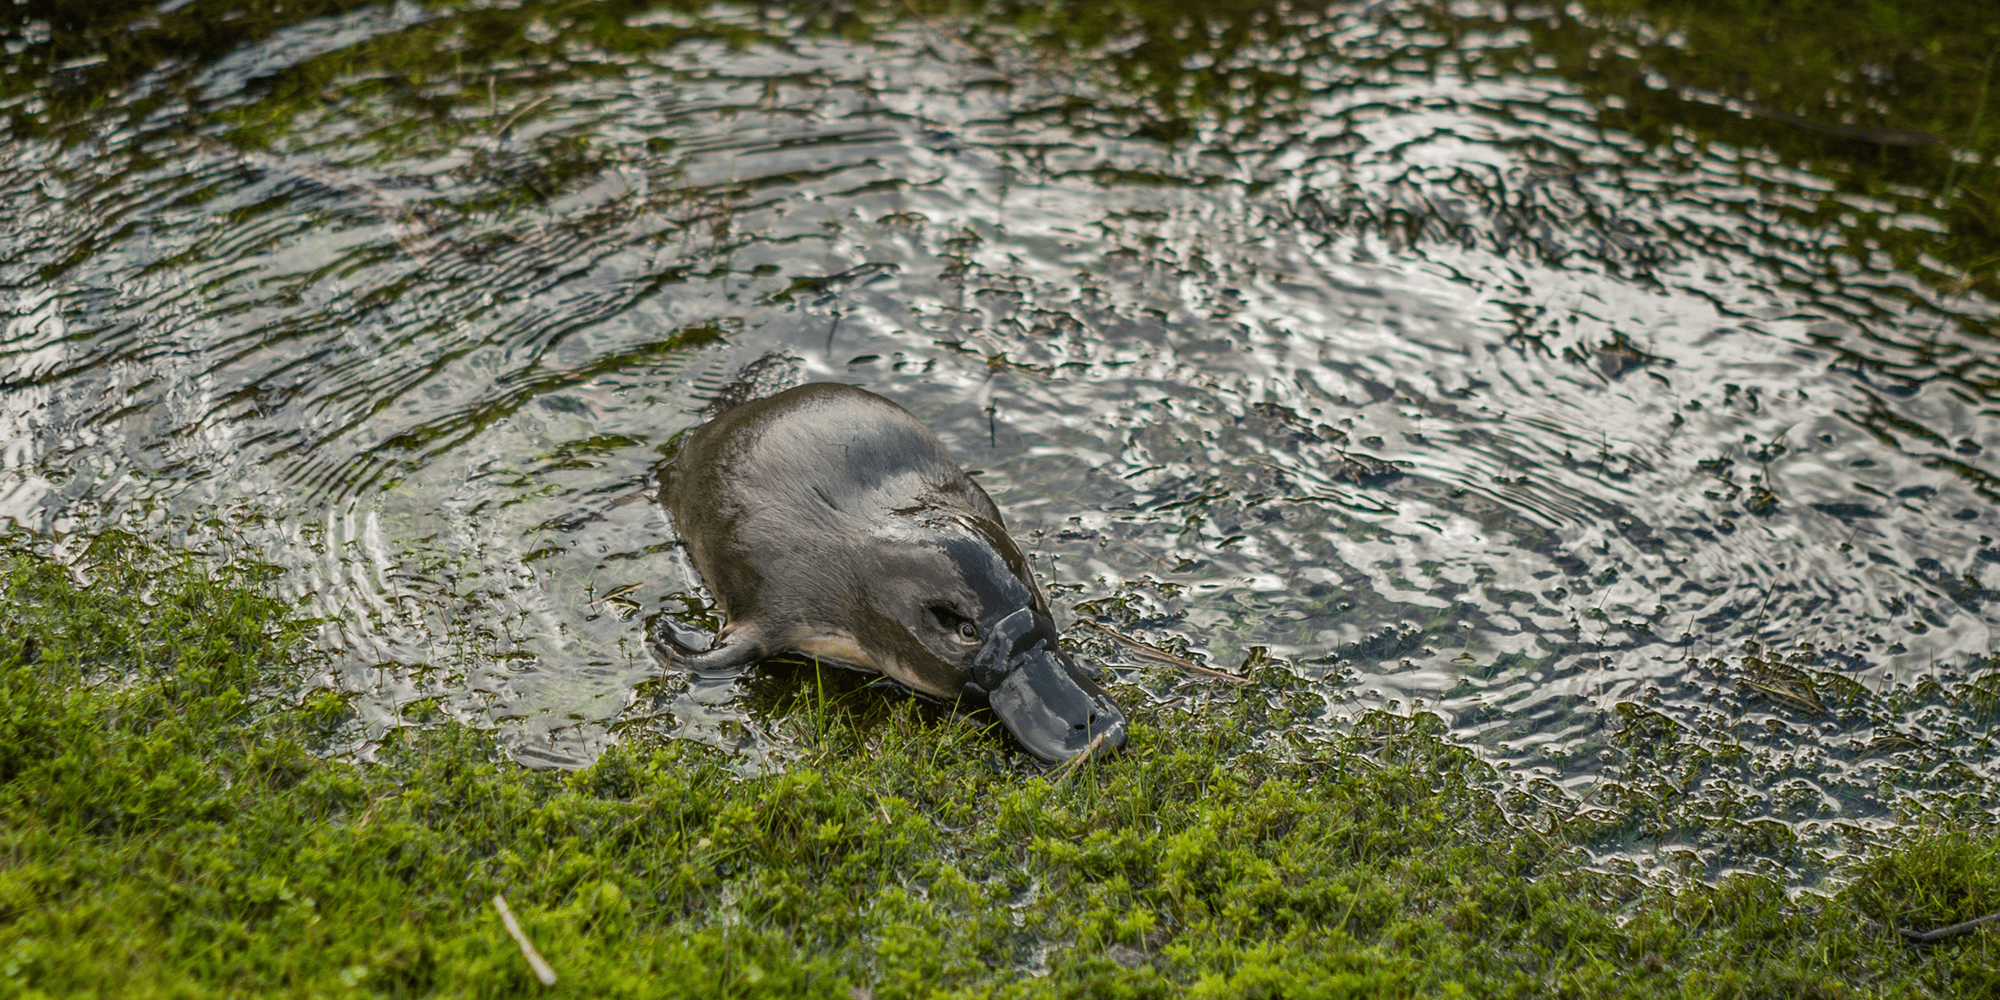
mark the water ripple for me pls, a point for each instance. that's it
(1420, 380)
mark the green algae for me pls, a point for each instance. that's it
(140, 773)
(1894, 104)
(167, 830)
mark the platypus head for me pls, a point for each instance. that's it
(966, 621)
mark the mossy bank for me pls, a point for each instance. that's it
(165, 830)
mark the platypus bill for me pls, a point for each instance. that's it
(831, 523)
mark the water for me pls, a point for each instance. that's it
(1353, 350)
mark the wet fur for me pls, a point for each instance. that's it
(821, 517)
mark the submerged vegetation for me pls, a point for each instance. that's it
(163, 829)
(1896, 103)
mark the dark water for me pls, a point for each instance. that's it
(1379, 361)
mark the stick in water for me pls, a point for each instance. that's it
(1148, 651)
(541, 968)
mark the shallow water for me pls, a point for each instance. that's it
(1401, 371)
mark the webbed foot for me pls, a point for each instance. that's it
(684, 647)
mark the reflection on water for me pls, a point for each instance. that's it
(1398, 380)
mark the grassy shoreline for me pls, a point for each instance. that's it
(165, 832)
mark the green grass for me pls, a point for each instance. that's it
(165, 832)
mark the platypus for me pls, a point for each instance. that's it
(831, 523)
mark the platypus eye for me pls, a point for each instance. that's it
(950, 620)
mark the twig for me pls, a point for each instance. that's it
(1972, 137)
(1155, 653)
(1940, 934)
(1808, 701)
(622, 591)
(541, 968)
(1072, 765)
(524, 109)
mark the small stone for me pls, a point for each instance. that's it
(1130, 958)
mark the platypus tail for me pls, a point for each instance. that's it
(767, 376)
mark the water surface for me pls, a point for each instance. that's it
(1365, 357)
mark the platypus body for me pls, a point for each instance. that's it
(829, 522)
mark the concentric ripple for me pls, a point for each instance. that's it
(1403, 381)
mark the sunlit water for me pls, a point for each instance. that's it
(1442, 396)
